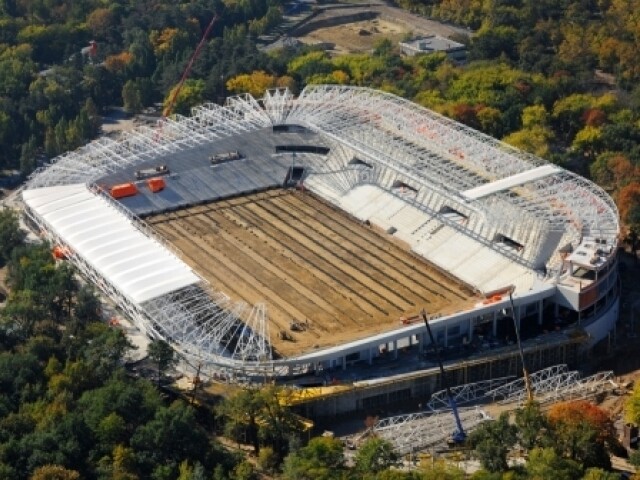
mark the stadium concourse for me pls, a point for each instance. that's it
(285, 235)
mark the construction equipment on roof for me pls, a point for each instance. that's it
(156, 184)
(152, 172)
(123, 190)
(225, 157)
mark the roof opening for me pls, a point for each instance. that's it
(302, 149)
(290, 129)
(509, 243)
(403, 189)
(452, 214)
(357, 161)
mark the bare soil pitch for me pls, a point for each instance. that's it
(309, 263)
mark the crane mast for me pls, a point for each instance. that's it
(172, 101)
(459, 435)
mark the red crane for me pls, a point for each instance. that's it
(172, 101)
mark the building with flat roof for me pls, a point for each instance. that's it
(432, 44)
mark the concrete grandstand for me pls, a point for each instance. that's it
(295, 235)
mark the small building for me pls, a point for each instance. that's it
(434, 43)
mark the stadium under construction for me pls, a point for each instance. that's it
(298, 238)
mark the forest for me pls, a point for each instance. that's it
(558, 78)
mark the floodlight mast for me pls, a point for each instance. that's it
(516, 325)
(459, 435)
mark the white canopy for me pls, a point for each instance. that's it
(511, 181)
(137, 265)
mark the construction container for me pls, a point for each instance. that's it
(123, 190)
(156, 184)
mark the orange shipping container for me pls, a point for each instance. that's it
(155, 184)
(123, 190)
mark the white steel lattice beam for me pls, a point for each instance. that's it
(467, 393)
(417, 431)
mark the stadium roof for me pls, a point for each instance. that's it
(136, 264)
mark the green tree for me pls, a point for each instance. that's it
(10, 234)
(267, 460)
(257, 416)
(111, 431)
(170, 438)
(491, 442)
(21, 313)
(190, 95)
(375, 455)
(245, 471)
(533, 427)
(105, 349)
(132, 96)
(545, 463)
(600, 474)
(87, 306)
(440, 470)
(240, 413)
(321, 459)
(163, 355)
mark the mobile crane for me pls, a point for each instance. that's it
(459, 435)
(172, 101)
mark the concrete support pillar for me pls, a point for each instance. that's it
(344, 363)
(540, 305)
(446, 336)
(494, 330)
(395, 349)
(470, 330)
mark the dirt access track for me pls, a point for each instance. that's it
(309, 263)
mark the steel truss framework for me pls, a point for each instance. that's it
(418, 431)
(467, 393)
(424, 149)
(554, 384)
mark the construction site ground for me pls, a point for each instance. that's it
(311, 264)
(357, 36)
(390, 22)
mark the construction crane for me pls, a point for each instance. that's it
(516, 326)
(172, 101)
(459, 435)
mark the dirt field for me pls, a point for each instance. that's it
(356, 36)
(310, 263)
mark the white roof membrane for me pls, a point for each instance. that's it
(137, 265)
